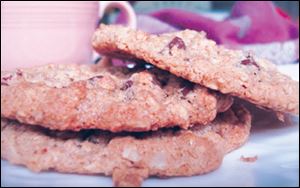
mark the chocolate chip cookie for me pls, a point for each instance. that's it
(75, 97)
(190, 55)
(128, 157)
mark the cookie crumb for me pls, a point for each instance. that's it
(249, 159)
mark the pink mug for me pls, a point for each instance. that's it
(41, 32)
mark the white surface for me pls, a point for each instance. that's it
(277, 148)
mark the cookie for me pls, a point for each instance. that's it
(74, 97)
(127, 157)
(190, 55)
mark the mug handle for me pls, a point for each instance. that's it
(125, 9)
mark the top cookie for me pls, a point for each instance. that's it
(72, 97)
(189, 54)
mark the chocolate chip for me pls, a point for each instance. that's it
(4, 83)
(7, 78)
(249, 61)
(246, 62)
(127, 85)
(178, 42)
(19, 72)
(185, 91)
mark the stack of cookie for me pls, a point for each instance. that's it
(170, 114)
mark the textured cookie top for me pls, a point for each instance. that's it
(190, 55)
(128, 157)
(78, 97)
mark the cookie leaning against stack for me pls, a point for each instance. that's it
(190, 55)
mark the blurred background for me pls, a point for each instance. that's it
(269, 29)
(291, 7)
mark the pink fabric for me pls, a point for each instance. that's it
(249, 22)
(265, 23)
